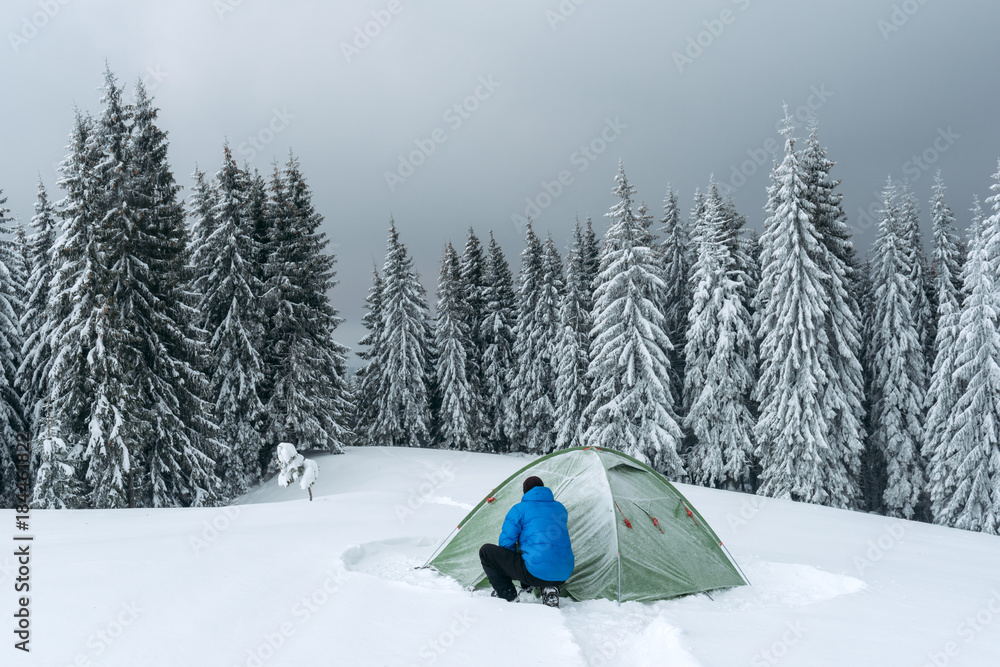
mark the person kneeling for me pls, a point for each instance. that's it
(538, 524)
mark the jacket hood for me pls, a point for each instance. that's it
(539, 494)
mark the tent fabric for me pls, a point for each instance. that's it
(602, 489)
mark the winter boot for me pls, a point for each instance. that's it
(509, 598)
(550, 596)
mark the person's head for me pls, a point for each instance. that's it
(531, 483)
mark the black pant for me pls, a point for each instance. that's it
(503, 565)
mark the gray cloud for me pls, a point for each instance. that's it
(269, 76)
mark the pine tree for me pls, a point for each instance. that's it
(405, 415)
(799, 459)
(720, 357)
(473, 277)
(498, 340)
(632, 408)
(844, 397)
(308, 398)
(32, 375)
(72, 298)
(369, 377)
(573, 353)
(942, 394)
(974, 460)
(923, 306)
(11, 414)
(181, 446)
(457, 416)
(591, 253)
(872, 475)
(231, 296)
(899, 382)
(675, 250)
(530, 410)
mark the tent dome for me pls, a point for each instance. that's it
(634, 535)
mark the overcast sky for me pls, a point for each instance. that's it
(545, 90)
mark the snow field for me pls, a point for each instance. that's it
(278, 580)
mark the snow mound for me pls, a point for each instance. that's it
(397, 559)
(785, 585)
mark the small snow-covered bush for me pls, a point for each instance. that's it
(293, 467)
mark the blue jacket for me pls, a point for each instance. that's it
(538, 523)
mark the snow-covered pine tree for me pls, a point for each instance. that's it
(923, 306)
(309, 403)
(72, 298)
(180, 451)
(32, 375)
(530, 410)
(943, 391)
(404, 418)
(720, 357)
(231, 303)
(591, 253)
(473, 283)
(632, 406)
(871, 480)
(899, 367)
(12, 419)
(498, 339)
(844, 397)
(203, 224)
(798, 458)
(369, 377)
(573, 354)
(457, 416)
(972, 500)
(675, 250)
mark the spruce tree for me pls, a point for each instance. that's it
(899, 379)
(676, 252)
(498, 352)
(33, 373)
(720, 357)
(473, 284)
(72, 298)
(308, 398)
(369, 377)
(231, 296)
(844, 395)
(404, 410)
(12, 419)
(530, 410)
(181, 447)
(942, 393)
(573, 353)
(972, 490)
(799, 459)
(923, 306)
(457, 418)
(632, 406)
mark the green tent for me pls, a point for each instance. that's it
(634, 536)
